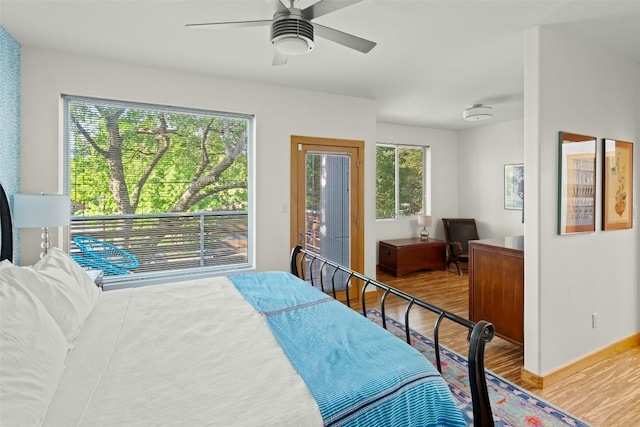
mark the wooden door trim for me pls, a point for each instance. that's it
(356, 182)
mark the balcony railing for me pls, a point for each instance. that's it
(171, 241)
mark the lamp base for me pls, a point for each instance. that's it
(424, 234)
(45, 245)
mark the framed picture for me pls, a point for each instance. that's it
(576, 183)
(617, 184)
(514, 186)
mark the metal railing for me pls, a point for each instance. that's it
(170, 241)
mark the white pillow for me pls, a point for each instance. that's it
(33, 352)
(63, 287)
(5, 264)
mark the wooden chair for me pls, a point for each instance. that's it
(457, 233)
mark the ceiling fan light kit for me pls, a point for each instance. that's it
(477, 112)
(292, 36)
(292, 32)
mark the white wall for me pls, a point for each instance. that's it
(467, 177)
(482, 154)
(280, 113)
(444, 178)
(575, 87)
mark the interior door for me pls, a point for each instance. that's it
(327, 203)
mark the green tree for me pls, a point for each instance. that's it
(134, 160)
(411, 171)
(410, 181)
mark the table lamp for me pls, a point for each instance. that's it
(41, 210)
(424, 221)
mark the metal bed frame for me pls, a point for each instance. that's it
(302, 266)
(6, 227)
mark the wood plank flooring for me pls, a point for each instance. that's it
(606, 394)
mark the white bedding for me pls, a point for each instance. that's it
(189, 376)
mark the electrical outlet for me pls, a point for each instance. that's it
(594, 320)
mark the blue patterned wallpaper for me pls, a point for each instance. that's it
(10, 118)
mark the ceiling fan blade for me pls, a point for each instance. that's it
(279, 58)
(344, 39)
(277, 6)
(232, 24)
(326, 6)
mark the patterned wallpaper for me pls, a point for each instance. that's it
(10, 118)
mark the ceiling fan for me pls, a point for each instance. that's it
(292, 32)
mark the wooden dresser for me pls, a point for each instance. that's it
(402, 256)
(496, 285)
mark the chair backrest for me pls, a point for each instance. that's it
(104, 256)
(460, 230)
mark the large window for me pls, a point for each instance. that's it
(156, 190)
(400, 181)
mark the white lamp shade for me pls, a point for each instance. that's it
(41, 210)
(424, 220)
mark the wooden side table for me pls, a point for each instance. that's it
(402, 256)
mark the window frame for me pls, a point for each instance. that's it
(157, 277)
(426, 180)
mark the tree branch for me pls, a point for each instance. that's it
(203, 194)
(205, 154)
(162, 137)
(232, 151)
(89, 138)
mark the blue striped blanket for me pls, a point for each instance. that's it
(358, 374)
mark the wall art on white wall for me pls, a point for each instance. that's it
(617, 184)
(576, 183)
(514, 186)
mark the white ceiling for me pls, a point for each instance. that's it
(433, 59)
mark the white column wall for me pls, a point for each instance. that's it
(280, 112)
(576, 87)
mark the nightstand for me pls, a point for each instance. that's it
(97, 276)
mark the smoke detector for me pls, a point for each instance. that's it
(477, 112)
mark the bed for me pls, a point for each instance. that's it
(254, 349)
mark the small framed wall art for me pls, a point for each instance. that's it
(576, 183)
(617, 184)
(514, 186)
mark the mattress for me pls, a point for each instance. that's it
(259, 349)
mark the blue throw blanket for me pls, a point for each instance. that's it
(359, 374)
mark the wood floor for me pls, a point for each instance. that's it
(606, 394)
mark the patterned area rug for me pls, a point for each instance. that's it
(512, 406)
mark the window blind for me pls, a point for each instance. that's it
(166, 186)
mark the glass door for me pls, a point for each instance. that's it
(326, 206)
